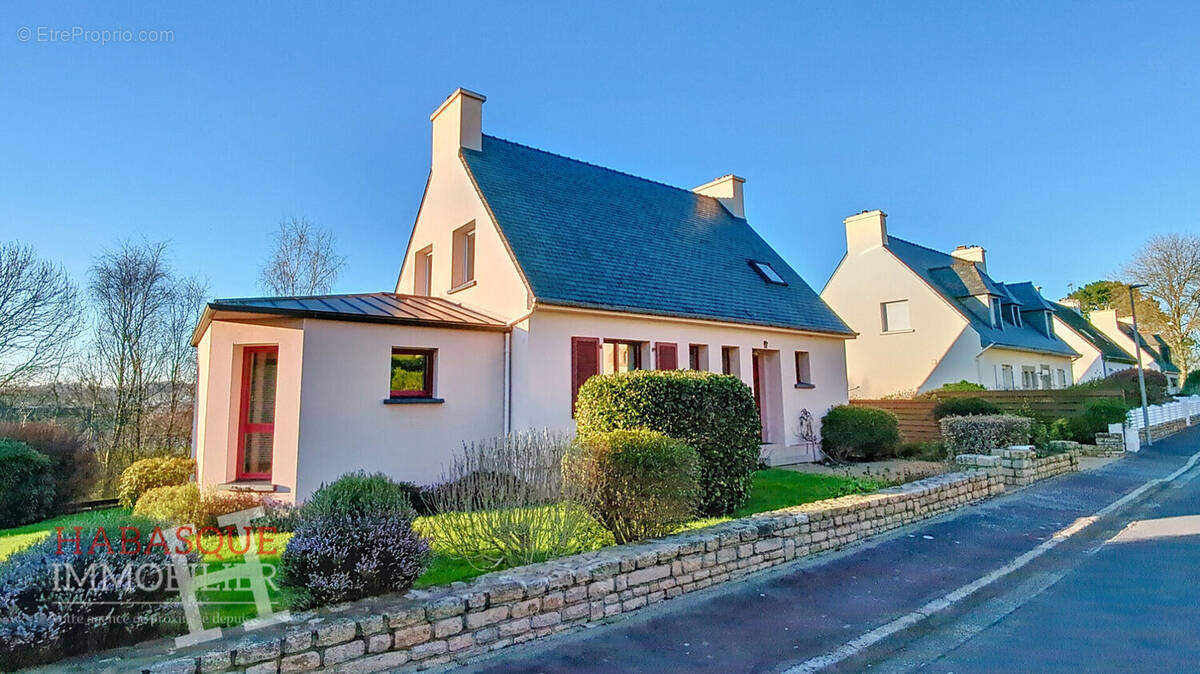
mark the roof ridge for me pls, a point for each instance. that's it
(597, 166)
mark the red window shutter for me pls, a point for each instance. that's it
(585, 362)
(668, 355)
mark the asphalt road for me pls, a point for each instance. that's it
(1091, 601)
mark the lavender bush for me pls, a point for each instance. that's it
(980, 434)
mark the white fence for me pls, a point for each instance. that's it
(1183, 407)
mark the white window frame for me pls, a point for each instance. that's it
(886, 323)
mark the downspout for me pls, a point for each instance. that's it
(507, 395)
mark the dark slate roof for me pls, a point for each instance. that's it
(587, 236)
(367, 307)
(941, 272)
(1028, 296)
(1155, 353)
(1084, 328)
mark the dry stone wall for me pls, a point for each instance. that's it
(426, 628)
(1019, 465)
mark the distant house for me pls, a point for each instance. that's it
(526, 273)
(1099, 355)
(925, 318)
(1156, 354)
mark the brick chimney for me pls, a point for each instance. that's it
(974, 254)
(727, 190)
(458, 123)
(865, 231)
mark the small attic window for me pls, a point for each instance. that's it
(768, 272)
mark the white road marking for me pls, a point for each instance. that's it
(857, 645)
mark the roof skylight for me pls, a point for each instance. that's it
(768, 272)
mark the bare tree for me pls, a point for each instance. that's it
(180, 316)
(1170, 266)
(131, 288)
(39, 315)
(303, 261)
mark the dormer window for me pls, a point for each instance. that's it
(1049, 324)
(1016, 315)
(997, 322)
(768, 272)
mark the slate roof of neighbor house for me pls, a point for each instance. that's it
(591, 237)
(1083, 327)
(1154, 351)
(950, 277)
(390, 308)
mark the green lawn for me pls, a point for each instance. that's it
(772, 489)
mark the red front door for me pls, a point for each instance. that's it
(256, 425)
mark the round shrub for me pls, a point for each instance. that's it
(1097, 415)
(354, 539)
(963, 407)
(863, 433)
(712, 413)
(177, 504)
(48, 611)
(637, 484)
(963, 385)
(76, 469)
(26, 484)
(142, 476)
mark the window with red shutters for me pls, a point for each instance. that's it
(668, 355)
(585, 362)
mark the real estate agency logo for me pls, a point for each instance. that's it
(233, 539)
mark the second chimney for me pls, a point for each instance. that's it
(727, 190)
(458, 123)
(865, 231)
(974, 254)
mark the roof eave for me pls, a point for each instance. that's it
(569, 304)
(335, 316)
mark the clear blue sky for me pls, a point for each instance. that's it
(1057, 135)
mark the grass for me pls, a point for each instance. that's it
(771, 489)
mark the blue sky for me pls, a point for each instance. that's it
(1057, 135)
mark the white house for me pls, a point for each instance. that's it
(1155, 353)
(926, 318)
(526, 273)
(1099, 356)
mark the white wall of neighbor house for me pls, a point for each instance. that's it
(959, 363)
(542, 363)
(1091, 364)
(218, 407)
(345, 424)
(992, 361)
(879, 361)
(1107, 322)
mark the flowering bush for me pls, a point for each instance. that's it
(980, 434)
(26, 484)
(45, 615)
(142, 476)
(354, 539)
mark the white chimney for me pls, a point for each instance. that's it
(727, 190)
(1073, 304)
(865, 231)
(458, 123)
(972, 254)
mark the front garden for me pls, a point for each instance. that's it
(656, 453)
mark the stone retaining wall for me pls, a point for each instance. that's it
(1019, 465)
(1107, 445)
(1160, 431)
(425, 628)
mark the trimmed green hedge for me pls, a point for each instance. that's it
(864, 433)
(963, 407)
(712, 413)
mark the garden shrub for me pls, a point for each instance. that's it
(418, 497)
(963, 407)
(76, 469)
(278, 515)
(26, 484)
(146, 474)
(177, 504)
(962, 385)
(1191, 385)
(44, 617)
(1126, 381)
(1097, 415)
(637, 484)
(712, 413)
(983, 433)
(862, 433)
(354, 539)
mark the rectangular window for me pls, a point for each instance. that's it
(1016, 315)
(621, 356)
(803, 370)
(666, 355)
(1046, 381)
(463, 265)
(412, 373)
(730, 361)
(895, 316)
(996, 315)
(1062, 378)
(423, 282)
(1049, 324)
(256, 424)
(698, 357)
(1028, 378)
(585, 362)
(768, 272)
(1006, 377)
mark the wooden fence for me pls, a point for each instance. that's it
(915, 416)
(1049, 403)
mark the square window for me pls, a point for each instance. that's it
(768, 272)
(621, 356)
(698, 357)
(730, 361)
(412, 373)
(895, 316)
(803, 369)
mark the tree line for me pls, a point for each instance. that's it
(110, 356)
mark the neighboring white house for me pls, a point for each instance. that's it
(1099, 355)
(526, 273)
(1155, 353)
(926, 318)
